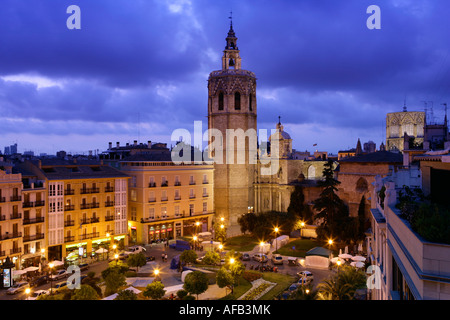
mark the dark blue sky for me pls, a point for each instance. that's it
(137, 70)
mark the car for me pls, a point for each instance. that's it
(150, 258)
(305, 275)
(245, 257)
(83, 266)
(18, 287)
(36, 282)
(36, 294)
(135, 249)
(121, 256)
(59, 286)
(277, 259)
(260, 257)
(199, 260)
(60, 274)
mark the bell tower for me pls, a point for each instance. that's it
(232, 112)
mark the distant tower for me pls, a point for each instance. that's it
(232, 105)
(358, 148)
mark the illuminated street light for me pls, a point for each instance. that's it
(276, 234)
(51, 265)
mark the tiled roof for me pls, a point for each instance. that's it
(379, 156)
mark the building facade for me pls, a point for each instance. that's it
(168, 200)
(398, 123)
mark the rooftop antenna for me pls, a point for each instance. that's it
(404, 106)
(426, 109)
(445, 108)
(432, 113)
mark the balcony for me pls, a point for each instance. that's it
(92, 205)
(37, 236)
(192, 196)
(15, 216)
(164, 184)
(2, 199)
(109, 204)
(152, 185)
(69, 223)
(152, 200)
(39, 203)
(177, 183)
(69, 239)
(34, 220)
(109, 218)
(90, 220)
(16, 198)
(28, 204)
(205, 195)
(7, 235)
(69, 207)
(15, 250)
(192, 183)
(89, 235)
(89, 190)
(205, 182)
(69, 192)
(177, 198)
(164, 199)
(109, 189)
(95, 205)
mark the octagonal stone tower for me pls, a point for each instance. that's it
(232, 110)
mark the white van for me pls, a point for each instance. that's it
(135, 249)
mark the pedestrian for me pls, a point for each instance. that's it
(165, 257)
(162, 256)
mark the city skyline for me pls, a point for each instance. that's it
(138, 71)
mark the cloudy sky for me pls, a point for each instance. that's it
(138, 70)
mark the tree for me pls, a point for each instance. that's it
(188, 256)
(211, 258)
(305, 293)
(85, 292)
(247, 222)
(137, 260)
(114, 281)
(196, 282)
(126, 295)
(332, 211)
(296, 204)
(236, 268)
(92, 281)
(224, 278)
(154, 290)
(342, 286)
(361, 218)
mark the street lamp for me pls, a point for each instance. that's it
(338, 264)
(302, 225)
(261, 249)
(116, 257)
(27, 292)
(276, 242)
(195, 239)
(51, 265)
(156, 273)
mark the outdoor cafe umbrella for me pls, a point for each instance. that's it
(357, 264)
(57, 263)
(29, 269)
(18, 272)
(101, 250)
(359, 258)
(345, 256)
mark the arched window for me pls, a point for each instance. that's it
(362, 185)
(237, 101)
(221, 101)
(250, 101)
(311, 172)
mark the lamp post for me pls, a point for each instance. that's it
(302, 225)
(195, 244)
(116, 257)
(156, 273)
(338, 264)
(261, 249)
(27, 292)
(276, 242)
(51, 265)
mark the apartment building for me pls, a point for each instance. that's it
(167, 200)
(86, 206)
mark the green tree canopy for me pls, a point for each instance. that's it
(126, 295)
(211, 258)
(137, 260)
(188, 256)
(196, 282)
(114, 281)
(224, 278)
(86, 292)
(154, 290)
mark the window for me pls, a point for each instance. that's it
(151, 213)
(205, 178)
(177, 211)
(191, 180)
(237, 101)
(250, 102)
(205, 207)
(191, 193)
(133, 195)
(163, 212)
(177, 194)
(133, 181)
(191, 209)
(164, 195)
(221, 101)
(133, 214)
(151, 197)
(205, 193)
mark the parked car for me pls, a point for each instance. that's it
(60, 285)
(260, 257)
(277, 259)
(83, 266)
(36, 282)
(36, 294)
(135, 249)
(245, 257)
(60, 274)
(305, 275)
(18, 287)
(122, 256)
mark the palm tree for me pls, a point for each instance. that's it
(331, 289)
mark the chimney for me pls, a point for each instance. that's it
(110, 145)
(128, 144)
(117, 144)
(135, 142)
(149, 143)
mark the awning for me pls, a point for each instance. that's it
(319, 251)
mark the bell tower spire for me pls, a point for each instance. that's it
(231, 58)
